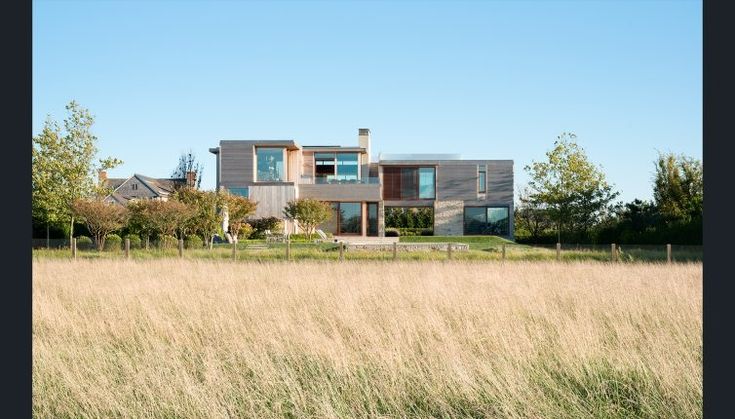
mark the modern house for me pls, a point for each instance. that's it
(142, 187)
(467, 196)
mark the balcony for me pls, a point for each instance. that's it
(310, 180)
(354, 190)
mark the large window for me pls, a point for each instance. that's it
(270, 164)
(346, 219)
(336, 167)
(324, 167)
(350, 218)
(409, 183)
(427, 187)
(347, 166)
(487, 221)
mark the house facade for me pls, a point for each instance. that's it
(467, 197)
(139, 186)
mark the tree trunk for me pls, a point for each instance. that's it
(147, 241)
(48, 241)
(211, 242)
(71, 230)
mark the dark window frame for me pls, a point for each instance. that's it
(486, 207)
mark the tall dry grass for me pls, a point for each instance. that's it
(172, 338)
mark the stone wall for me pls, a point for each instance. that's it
(448, 218)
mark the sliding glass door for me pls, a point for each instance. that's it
(350, 218)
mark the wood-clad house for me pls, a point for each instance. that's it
(466, 196)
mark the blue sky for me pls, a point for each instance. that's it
(489, 79)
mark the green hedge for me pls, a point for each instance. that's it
(135, 241)
(113, 242)
(193, 242)
(84, 243)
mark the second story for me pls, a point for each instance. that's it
(284, 162)
(263, 169)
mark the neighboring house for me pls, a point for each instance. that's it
(467, 196)
(141, 187)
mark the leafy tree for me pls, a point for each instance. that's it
(188, 162)
(678, 187)
(569, 187)
(63, 167)
(101, 218)
(169, 216)
(531, 217)
(309, 213)
(206, 214)
(238, 210)
(142, 218)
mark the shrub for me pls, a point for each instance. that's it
(135, 241)
(392, 232)
(113, 242)
(193, 242)
(427, 232)
(168, 242)
(260, 225)
(84, 243)
(246, 230)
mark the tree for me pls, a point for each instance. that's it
(530, 217)
(101, 218)
(188, 163)
(238, 210)
(569, 187)
(309, 213)
(46, 196)
(206, 215)
(678, 187)
(168, 216)
(142, 218)
(63, 167)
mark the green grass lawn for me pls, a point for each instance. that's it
(475, 242)
(481, 248)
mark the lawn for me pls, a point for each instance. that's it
(482, 248)
(206, 338)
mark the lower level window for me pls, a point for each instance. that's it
(487, 221)
(239, 191)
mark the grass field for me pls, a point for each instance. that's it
(482, 248)
(206, 338)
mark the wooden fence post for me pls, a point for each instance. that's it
(395, 250)
(558, 252)
(668, 253)
(503, 252)
(74, 248)
(127, 248)
(234, 250)
(288, 249)
(341, 251)
(181, 248)
(612, 253)
(449, 251)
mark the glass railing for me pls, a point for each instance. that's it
(310, 180)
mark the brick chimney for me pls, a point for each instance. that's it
(102, 174)
(191, 179)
